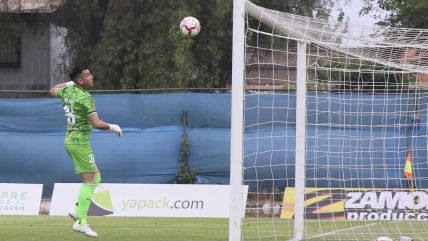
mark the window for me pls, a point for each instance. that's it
(10, 51)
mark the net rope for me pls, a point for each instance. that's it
(388, 46)
(366, 111)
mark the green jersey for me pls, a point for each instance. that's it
(78, 105)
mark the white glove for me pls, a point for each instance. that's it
(69, 83)
(116, 129)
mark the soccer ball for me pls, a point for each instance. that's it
(190, 26)
(383, 239)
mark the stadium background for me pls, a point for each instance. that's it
(32, 135)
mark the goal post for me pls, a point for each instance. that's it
(301, 74)
(328, 130)
(237, 115)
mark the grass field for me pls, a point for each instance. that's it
(113, 228)
(205, 229)
(283, 229)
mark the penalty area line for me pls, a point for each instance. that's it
(338, 231)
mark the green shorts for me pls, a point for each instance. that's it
(83, 157)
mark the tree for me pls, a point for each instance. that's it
(407, 14)
(137, 44)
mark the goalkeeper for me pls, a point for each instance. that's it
(79, 107)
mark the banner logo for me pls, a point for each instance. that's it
(101, 204)
(359, 204)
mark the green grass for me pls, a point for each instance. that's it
(113, 228)
(204, 229)
(283, 229)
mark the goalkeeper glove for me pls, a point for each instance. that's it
(116, 129)
(69, 83)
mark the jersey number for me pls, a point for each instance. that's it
(92, 159)
(69, 112)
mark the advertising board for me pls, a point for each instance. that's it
(150, 200)
(360, 204)
(20, 199)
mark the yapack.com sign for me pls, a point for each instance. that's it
(360, 204)
(154, 200)
(20, 199)
(165, 203)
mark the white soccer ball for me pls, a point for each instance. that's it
(190, 26)
(383, 239)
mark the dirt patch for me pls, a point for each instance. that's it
(45, 206)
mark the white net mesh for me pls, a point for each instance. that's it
(366, 113)
(399, 49)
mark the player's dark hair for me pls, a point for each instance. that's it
(76, 71)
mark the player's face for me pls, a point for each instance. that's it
(86, 79)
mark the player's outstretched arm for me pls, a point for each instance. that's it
(101, 125)
(59, 86)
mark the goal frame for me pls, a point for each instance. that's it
(371, 49)
(237, 120)
(237, 129)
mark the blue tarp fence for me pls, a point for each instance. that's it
(32, 133)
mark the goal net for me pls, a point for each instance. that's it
(335, 117)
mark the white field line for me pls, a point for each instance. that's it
(338, 231)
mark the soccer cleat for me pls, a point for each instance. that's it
(85, 230)
(73, 214)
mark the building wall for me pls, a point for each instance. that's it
(57, 49)
(34, 73)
